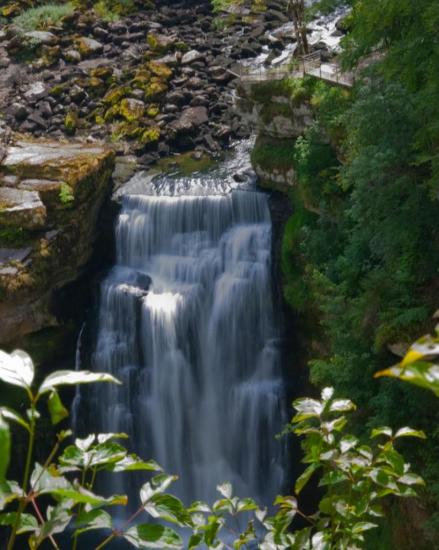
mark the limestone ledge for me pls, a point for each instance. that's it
(50, 197)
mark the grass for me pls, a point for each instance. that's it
(42, 17)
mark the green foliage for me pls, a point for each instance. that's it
(14, 237)
(66, 195)
(42, 17)
(356, 478)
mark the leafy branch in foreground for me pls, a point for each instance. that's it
(356, 478)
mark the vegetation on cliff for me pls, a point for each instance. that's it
(363, 238)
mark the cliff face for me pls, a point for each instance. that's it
(279, 116)
(50, 197)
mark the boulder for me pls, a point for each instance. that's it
(191, 56)
(88, 46)
(21, 208)
(190, 119)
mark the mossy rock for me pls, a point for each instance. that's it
(71, 122)
(152, 110)
(15, 237)
(131, 109)
(114, 95)
(160, 69)
(103, 73)
(58, 89)
(150, 135)
(111, 113)
(160, 43)
(155, 89)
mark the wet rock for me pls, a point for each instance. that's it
(191, 118)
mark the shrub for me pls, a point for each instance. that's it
(42, 17)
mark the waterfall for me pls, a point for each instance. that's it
(187, 323)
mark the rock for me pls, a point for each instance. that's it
(88, 46)
(43, 37)
(36, 90)
(19, 111)
(21, 208)
(72, 55)
(191, 56)
(191, 118)
(132, 109)
(47, 260)
(77, 94)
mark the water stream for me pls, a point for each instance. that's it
(187, 323)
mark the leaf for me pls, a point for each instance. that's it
(26, 524)
(44, 481)
(332, 478)
(342, 405)
(79, 495)
(56, 409)
(327, 393)
(158, 484)
(17, 368)
(9, 491)
(411, 479)
(73, 377)
(307, 408)
(58, 518)
(5, 448)
(169, 508)
(132, 463)
(362, 526)
(303, 479)
(347, 443)
(103, 438)
(10, 414)
(195, 541)
(410, 432)
(422, 374)
(382, 430)
(96, 519)
(86, 443)
(424, 347)
(147, 537)
(225, 489)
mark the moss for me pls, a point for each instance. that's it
(115, 95)
(160, 69)
(270, 154)
(152, 110)
(155, 89)
(111, 113)
(186, 164)
(273, 109)
(66, 195)
(150, 135)
(71, 122)
(14, 237)
(297, 90)
(103, 73)
(42, 17)
(131, 110)
(58, 90)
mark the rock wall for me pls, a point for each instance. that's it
(50, 198)
(279, 116)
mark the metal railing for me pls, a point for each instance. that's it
(310, 64)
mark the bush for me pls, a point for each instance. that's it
(42, 17)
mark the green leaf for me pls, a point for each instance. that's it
(44, 481)
(5, 448)
(79, 495)
(303, 479)
(56, 409)
(103, 438)
(147, 537)
(96, 519)
(17, 369)
(362, 526)
(225, 489)
(132, 463)
(332, 478)
(409, 432)
(342, 405)
(411, 479)
(157, 485)
(26, 524)
(9, 491)
(169, 508)
(422, 374)
(10, 414)
(58, 518)
(307, 408)
(347, 443)
(382, 430)
(195, 541)
(73, 377)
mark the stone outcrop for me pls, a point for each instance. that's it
(50, 196)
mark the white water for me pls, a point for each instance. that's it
(186, 321)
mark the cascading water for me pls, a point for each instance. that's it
(187, 323)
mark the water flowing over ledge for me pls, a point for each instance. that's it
(187, 322)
